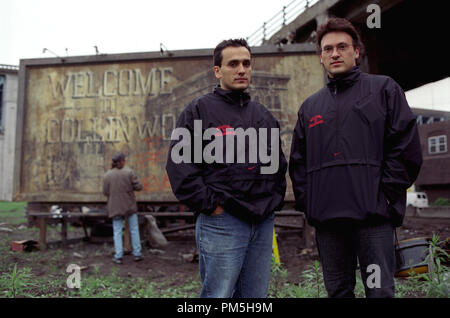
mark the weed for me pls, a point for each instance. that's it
(409, 287)
(103, 286)
(311, 285)
(16, 282)
(278, 280)
(437, 280)
(142, 289)
(360, 291)
(96, 269)
(190, 289)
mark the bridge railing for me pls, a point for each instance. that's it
(9, 67)
(279, 20)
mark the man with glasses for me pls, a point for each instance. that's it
(355, 151)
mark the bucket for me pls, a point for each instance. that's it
(411, 255)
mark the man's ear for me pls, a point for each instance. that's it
(217, 72)
(357, 49)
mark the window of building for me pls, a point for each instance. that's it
(2, 85)
(437, 144)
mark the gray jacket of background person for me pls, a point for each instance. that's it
(119, 186)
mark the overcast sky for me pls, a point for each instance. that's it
(127, 26)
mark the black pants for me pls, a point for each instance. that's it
(340, 247)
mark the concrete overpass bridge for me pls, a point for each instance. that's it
(409, 46)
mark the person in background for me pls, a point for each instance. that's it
(119, 184)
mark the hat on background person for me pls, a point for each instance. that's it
(118, 156)
(117, 159)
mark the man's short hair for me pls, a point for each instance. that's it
(340, 25)
(227, 43)
(118, 157)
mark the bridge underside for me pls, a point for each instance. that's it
(408, 46)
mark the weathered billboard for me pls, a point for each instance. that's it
(75, 113)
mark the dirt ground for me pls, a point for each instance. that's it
(176, 260)
(294, 255)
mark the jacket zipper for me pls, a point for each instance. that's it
(337, 120)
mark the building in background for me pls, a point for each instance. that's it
(431, 104)
(434, 176)
(8, 115)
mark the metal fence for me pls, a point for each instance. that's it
(279, 20)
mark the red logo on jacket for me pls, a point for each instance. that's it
(316, 120)
(222, 130)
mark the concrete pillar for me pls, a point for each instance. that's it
(8, 135)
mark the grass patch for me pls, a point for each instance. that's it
(20, 282)
(12, 212)
(434, 284)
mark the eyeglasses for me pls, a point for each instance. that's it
(341, 48)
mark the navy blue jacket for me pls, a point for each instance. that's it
(239, 188)
(355, 151)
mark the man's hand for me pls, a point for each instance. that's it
(219, 210)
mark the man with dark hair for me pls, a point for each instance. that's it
(119, 184)
(354, 153)
(228, 43)
(340, 25)
(234, 203)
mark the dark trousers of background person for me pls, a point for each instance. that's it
(341, 246)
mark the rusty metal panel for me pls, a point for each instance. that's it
(76, 115)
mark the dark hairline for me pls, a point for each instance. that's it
(218, 56)
(340, 25)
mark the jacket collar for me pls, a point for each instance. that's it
(241, 98)
(344, 80)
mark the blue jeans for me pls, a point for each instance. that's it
(339, 250)
(134, 233)
(234, 256)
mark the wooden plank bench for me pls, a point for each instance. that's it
(44, 218)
